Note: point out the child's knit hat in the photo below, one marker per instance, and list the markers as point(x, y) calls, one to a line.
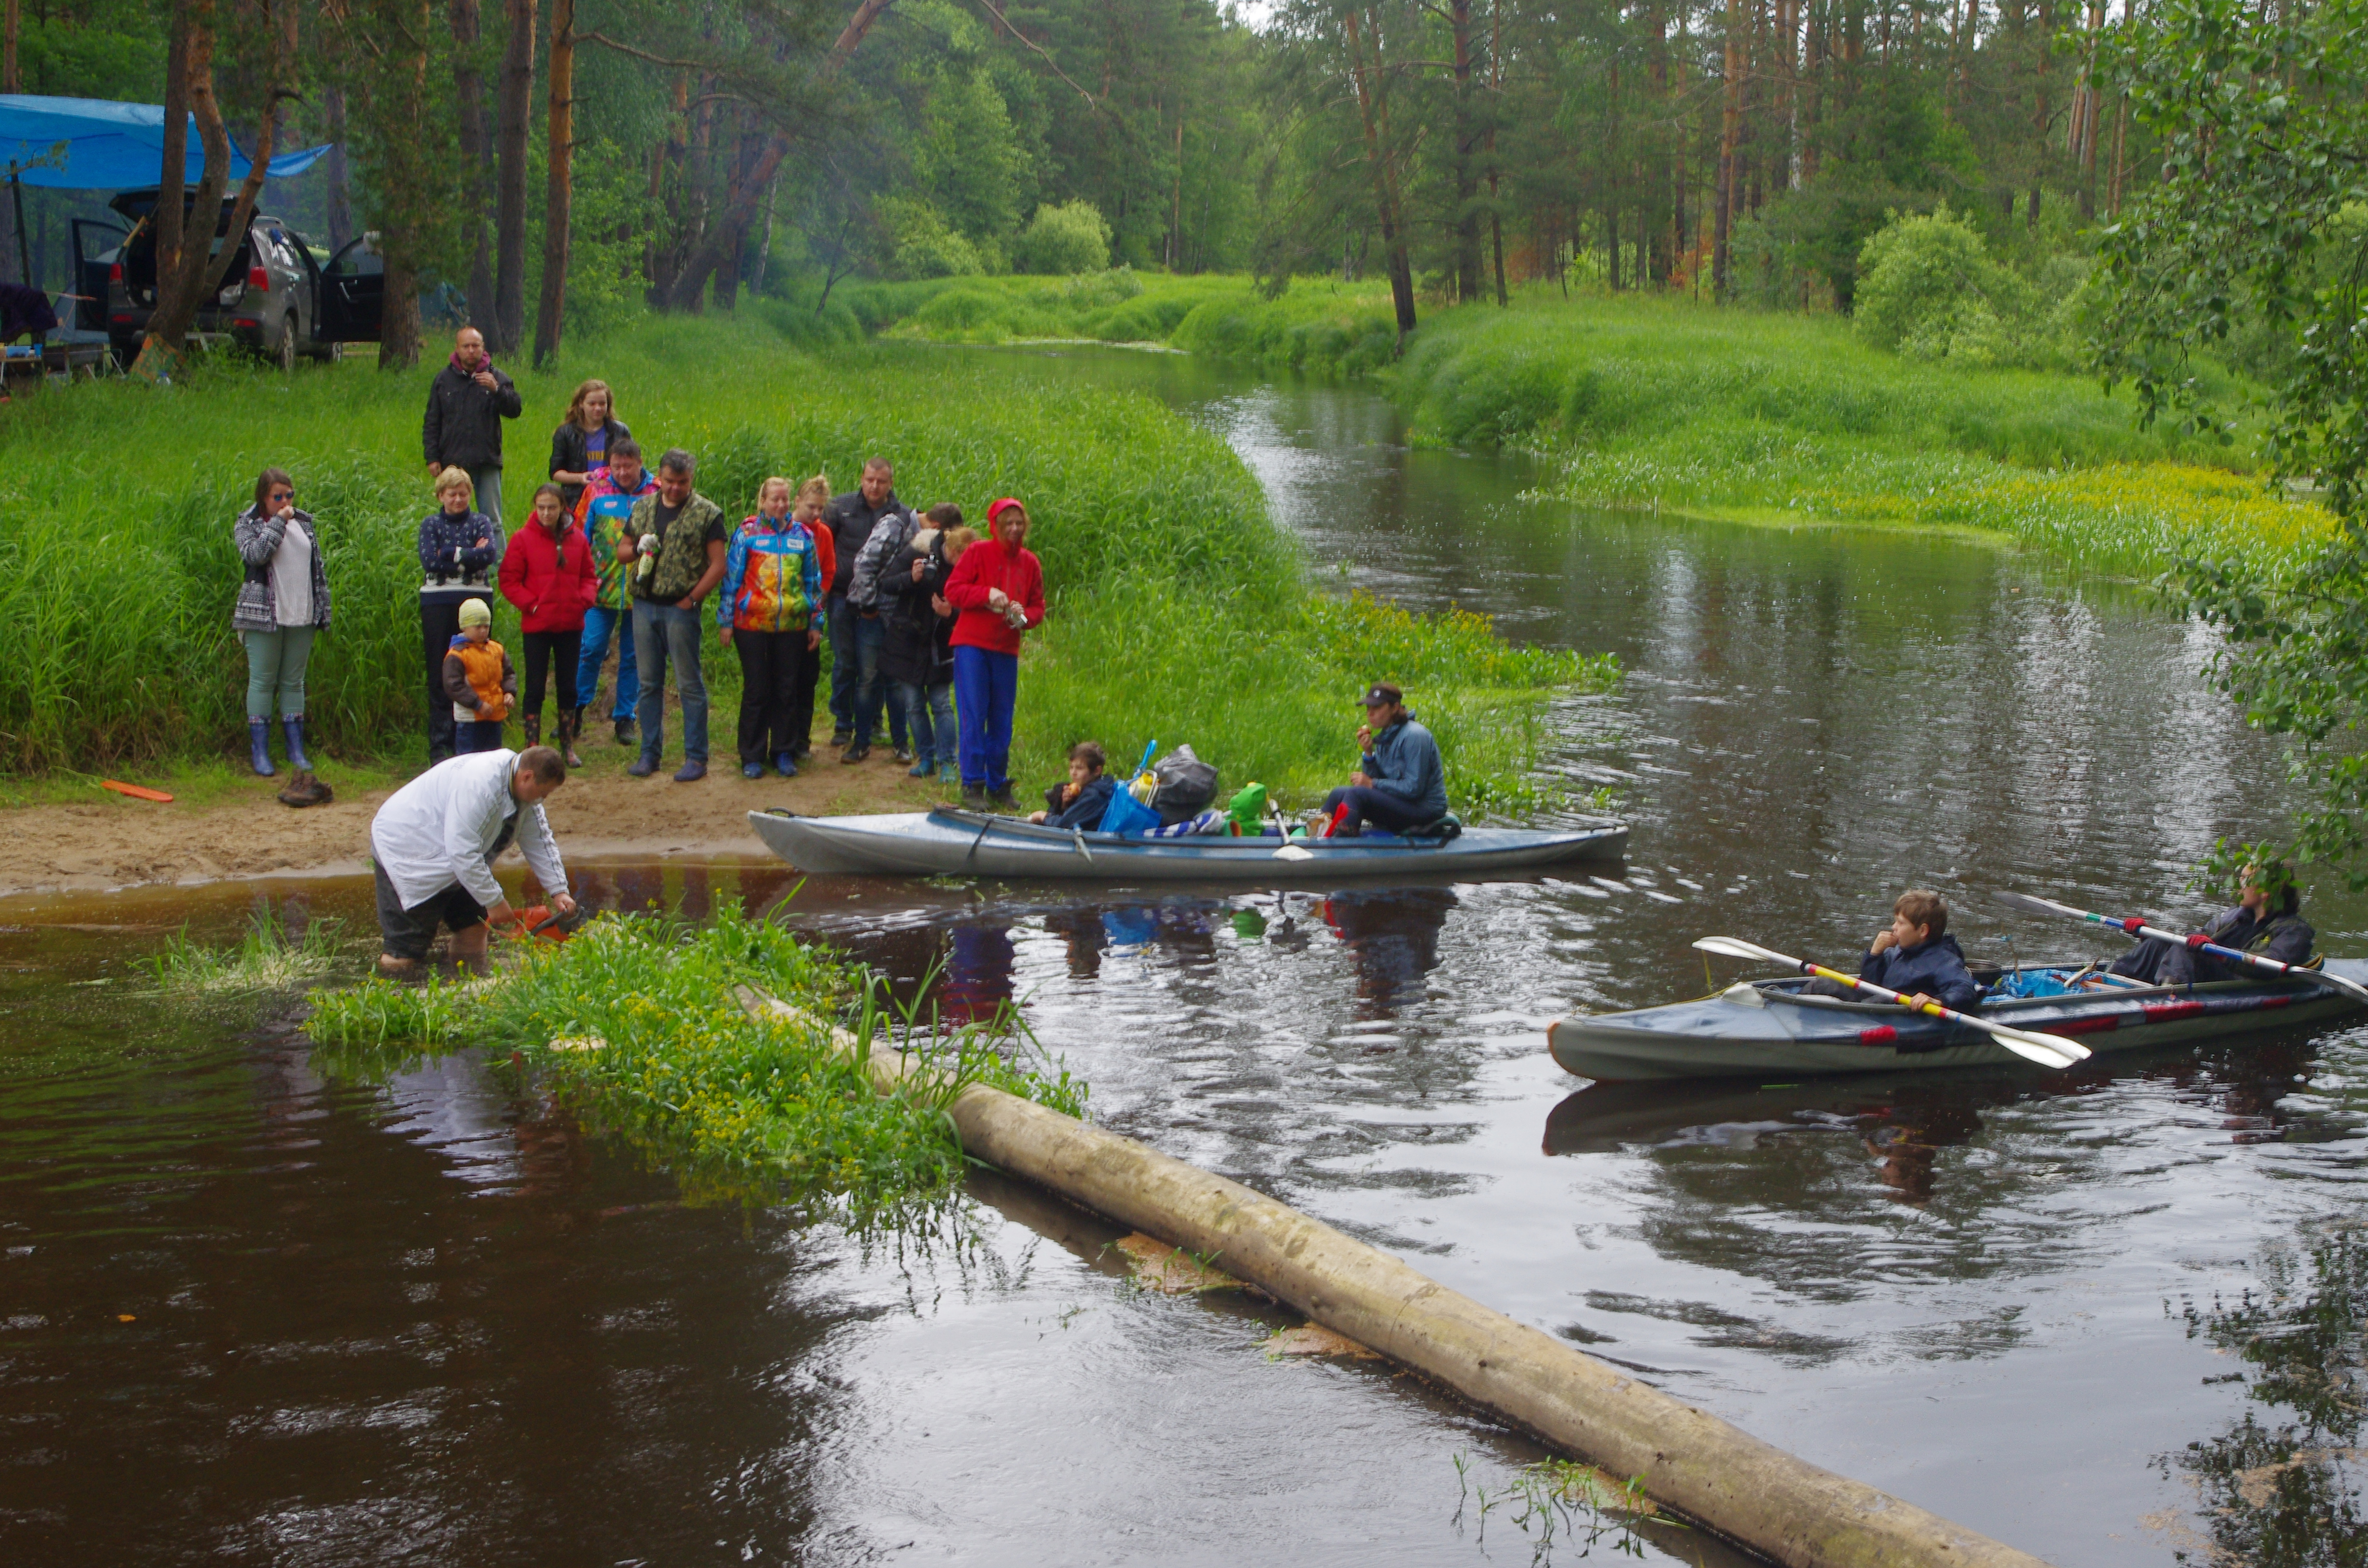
point(474, 612)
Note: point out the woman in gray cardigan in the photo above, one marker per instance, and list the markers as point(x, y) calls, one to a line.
point(283, 601)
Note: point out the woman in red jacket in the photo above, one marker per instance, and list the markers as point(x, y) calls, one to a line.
point(547, 571)
point(998, 590)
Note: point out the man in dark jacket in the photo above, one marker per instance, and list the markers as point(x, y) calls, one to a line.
point(1917, 958)
point(2266, 920)
point(1400, 783)
point(855, 695)
point(466, 404)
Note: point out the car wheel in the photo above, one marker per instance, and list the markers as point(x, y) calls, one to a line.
point(286, 356)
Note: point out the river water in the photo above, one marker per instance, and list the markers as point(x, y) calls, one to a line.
point(252, 1309)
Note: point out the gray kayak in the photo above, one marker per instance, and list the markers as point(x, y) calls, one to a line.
point(947, 842)
point(1772, 1026)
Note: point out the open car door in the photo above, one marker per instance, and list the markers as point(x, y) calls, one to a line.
point(96, 243)
point(353, 293)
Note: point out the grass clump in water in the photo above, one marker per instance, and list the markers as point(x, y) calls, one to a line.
point(268, 957)
point(638, 1021)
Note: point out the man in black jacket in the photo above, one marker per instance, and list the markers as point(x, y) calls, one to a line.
point(466, 404)
point(857, 695)
point(2266, 920)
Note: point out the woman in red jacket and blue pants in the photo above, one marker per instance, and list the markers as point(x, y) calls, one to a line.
point(998, 589)
point(548, 573)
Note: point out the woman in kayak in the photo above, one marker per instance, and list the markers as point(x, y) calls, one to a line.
point(1917, 957)
point(2266, 920)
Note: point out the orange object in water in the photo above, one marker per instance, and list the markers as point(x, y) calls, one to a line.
point(137, 792)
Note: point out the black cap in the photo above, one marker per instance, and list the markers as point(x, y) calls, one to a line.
point(1382, 694)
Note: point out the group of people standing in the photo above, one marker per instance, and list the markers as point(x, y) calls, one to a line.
point(924, 615)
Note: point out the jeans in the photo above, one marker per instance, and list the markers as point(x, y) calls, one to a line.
point(771, 663)
point(1392, 814)
point(801, 704)
point(668, 633)
point(928, 718)
point(549, 654)
point(857, 697)
point(599, 626)
point(488, 481)
point(275, 662)
point(477, 734)
point(987, 690)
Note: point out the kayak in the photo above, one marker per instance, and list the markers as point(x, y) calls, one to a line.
point(948, 842)
point(1768, 1025)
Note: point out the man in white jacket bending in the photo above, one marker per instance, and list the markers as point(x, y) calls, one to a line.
point(432, 847)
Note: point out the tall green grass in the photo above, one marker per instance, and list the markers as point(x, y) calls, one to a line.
point(1665, 405)
point(637, 1021)
point(1165, 571)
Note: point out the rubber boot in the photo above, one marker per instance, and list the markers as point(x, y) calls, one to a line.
point(532, 724)
point(571, 720)
point(294, 730)
point(258, 752)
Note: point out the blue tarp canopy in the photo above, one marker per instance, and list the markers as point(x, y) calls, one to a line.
point(110, 146)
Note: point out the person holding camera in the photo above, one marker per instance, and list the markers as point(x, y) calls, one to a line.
point(997, 592)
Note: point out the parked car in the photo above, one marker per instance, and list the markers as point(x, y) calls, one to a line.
point(282, 296)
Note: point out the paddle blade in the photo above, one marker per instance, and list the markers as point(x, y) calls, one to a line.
point(2048, 1049)
point(1727, 947)
point(2030, 905)
point(1294, 852)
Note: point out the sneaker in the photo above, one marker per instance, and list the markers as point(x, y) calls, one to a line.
point(624, 732)
point(1001, 799)
point(691, 772)
point(921, 770)
point(903, 754)
point(752, 770)
point(840, 737)
point(643, 766)
point(974, 798)
point(786, 765)
point(855, 753)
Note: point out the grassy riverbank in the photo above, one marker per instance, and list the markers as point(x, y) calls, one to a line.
point(1669, 405)
point(1180, 610)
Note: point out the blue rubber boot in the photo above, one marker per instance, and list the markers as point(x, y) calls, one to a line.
point(294, 730)
point(259, 753)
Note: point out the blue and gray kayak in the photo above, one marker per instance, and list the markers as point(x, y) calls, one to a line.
point(947, 842)
point(1769, 1025)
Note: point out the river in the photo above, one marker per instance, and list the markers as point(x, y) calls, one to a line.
point(252, 1311)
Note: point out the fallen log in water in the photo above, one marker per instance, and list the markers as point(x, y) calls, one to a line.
point(1691, 1462)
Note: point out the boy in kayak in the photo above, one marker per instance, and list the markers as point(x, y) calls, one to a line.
point(1080, 803)
point(1917, 957)
point(2267, 921)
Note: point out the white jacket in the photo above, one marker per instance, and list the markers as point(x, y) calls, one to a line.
point(437, 830)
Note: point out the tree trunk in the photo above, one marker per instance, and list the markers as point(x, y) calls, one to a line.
point(692, 279)
point(1467, 140)
point(1730, 126)
point(9, 80)
point(516, 107)
point(180, 291)
point(339, 178)
point(173, 174)
point(559, 188)
point(403, 194)
point(1385, 197)
point(476, 154)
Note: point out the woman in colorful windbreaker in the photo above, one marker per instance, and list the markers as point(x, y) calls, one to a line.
point(769, 613)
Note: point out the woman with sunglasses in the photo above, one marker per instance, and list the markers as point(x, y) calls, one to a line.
point(283, 603)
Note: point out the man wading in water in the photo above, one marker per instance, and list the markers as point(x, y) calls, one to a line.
point(432, 847)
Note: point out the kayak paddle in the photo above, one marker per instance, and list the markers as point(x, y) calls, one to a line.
point(2137, 927)
point(2048, 1049)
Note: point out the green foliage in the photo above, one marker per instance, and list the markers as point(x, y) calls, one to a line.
point(648, 1026)
point(1071, 238)
point(2259, 219)
point(968, 162)
point(1318, 324)
point(1928, 288)
point(920, 244)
